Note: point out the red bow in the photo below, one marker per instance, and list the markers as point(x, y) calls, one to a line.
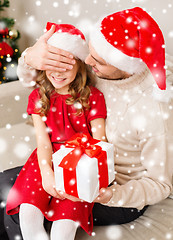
point(82, 143)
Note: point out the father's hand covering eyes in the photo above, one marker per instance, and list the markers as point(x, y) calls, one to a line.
point(43, 56)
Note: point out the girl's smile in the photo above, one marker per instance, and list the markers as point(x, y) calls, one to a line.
point(61, 81)
point(58, 79)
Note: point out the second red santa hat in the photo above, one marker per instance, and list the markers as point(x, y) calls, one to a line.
point(128, 40)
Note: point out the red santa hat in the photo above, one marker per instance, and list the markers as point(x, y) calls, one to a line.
point(130, 40)
point(68, 38)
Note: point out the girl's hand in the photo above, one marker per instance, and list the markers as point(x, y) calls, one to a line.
point(104, 196)
point(48, 182)
point(74, 199)
point(43, 56)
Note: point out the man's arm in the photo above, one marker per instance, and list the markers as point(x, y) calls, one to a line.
point(153, 181)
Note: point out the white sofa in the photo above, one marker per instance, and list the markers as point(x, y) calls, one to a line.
point(17, 141)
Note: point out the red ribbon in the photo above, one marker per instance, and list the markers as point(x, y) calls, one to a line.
point(83, 143)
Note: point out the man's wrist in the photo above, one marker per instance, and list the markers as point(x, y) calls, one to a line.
point(23, 59)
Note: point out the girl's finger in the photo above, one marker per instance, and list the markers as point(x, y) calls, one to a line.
point(52, 192)
point(57, 194)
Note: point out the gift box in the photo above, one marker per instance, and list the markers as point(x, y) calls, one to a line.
point(83, 166)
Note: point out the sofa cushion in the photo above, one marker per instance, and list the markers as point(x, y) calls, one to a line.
point(16, 144)
point(13, 103)
point(155, 224)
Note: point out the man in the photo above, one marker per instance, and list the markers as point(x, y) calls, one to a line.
point(127, 54)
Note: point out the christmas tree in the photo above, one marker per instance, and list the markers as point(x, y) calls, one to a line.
point(9, 51)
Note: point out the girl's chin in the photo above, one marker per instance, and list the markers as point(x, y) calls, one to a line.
point(61, 88)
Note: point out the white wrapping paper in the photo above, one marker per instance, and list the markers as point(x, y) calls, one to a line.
point(87, 175)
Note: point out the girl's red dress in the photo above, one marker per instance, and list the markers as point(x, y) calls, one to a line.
point(62, 124)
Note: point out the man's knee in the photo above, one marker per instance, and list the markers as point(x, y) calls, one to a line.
point(11, 219)
point(8, 223)
point(12, 227)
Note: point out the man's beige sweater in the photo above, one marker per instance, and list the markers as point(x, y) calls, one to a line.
point(141, 130)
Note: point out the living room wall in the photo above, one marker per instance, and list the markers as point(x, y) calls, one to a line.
point(31, 16)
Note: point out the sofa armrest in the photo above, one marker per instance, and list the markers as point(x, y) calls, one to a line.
point(13, 103)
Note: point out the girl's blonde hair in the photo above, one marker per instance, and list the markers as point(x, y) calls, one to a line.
point(78, 89)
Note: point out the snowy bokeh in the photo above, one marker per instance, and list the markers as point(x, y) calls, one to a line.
point(78, 105)
point(75, 10)
point(30, 26)
point(169, 236)
point(3, 145)
point(31, 16)
point(72, 181)
point(85, 25)
point(27, 139)
point(2, 25)
point(17, 97)
point(113, 233)
point(21, 150)
point(170, 34)
point(139, 122)
point(55, 4)
point(2, 204)
point(38, 3)
point(8, 59)
point(17, 237)
point(24, 115)
point(8, 126)
point(10, 72)
point(140, 1)
point(50, 213)
point(66, 2)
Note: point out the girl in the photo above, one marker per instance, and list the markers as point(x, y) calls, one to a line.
point(63, 104)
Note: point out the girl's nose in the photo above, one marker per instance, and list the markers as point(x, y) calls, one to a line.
point(57, 74)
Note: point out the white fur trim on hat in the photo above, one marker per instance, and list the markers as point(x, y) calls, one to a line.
point(71, 43)
point(112, 55)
